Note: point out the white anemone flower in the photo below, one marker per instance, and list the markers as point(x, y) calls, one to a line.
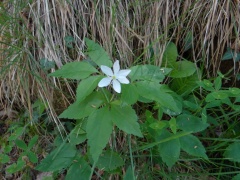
point(114, 77)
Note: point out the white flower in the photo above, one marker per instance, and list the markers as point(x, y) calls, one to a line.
point(114, 77)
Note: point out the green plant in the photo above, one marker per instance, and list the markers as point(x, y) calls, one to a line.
point(100, 112)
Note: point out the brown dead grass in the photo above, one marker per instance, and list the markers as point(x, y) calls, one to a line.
point(126, 29)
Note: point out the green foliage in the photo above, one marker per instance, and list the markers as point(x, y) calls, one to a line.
point(79, 169)
point(75, 70)
point(125, 119)
point(147, 72)
point(192, 123)
point(99, 129)
point(58, 159)
point(232, 152)
point(175, 116)
point(109, 161)
point(170, 55)
point(193, 146)
point(97, 53)
point(230, 54)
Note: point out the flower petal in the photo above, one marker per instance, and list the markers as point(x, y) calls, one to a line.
point(105, 82)
point(106, 70)
point(116, 86)
point(124, 72)
point(123, 80)
point(116, 67)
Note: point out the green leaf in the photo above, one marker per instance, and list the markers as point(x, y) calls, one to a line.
point(86, 87)
point(153, 91)
point(129, 174)
point(21, 144)
point(206, 84)
point(109, 161)
point(185, 86)
point(188, 41)
point(75, 70)
point(32, 142)
point(97, 53)
point(170, 55)
point(237, 177)
point(129, 94)
point(158, 125)
point(146, 72)
point(99, 128)
point(193, 146)
point(173, 125)
point(216, 95)
point(230, 54)
point(125, 119)
point(192, 123)
point(17, 132)
point(169, 151)
point(84, 108)
point(4, 158)
point(80, 169)
point(32, 157)
point(77, 135)
point(218, 83)
point(232, 152)
point(69, 40)
point(15, 167)
point(46, 64)
point(58, 159)
point(183, 69)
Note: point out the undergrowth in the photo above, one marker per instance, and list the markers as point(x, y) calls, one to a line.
point(176, 116)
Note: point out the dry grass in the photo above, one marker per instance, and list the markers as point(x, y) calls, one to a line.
point(129, 30)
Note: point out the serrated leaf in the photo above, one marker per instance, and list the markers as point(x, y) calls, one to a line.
point(170, 55)
point(58, 159)
point(146, 72)
point(193, 146)
point(80, 169)
point(185, 86)
point(183, 69)
point(232, 152)
point(169, 151)
point(153, 91)
point(129, 94)
point(125, 119)
point(97, 53)
point(86, 87)
point(84, 108)
point(192, 123)
point(75, 70)
point(109, 161)
point(32, 142)
point(77, 135)
point(21, 144)
point(99, 128)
